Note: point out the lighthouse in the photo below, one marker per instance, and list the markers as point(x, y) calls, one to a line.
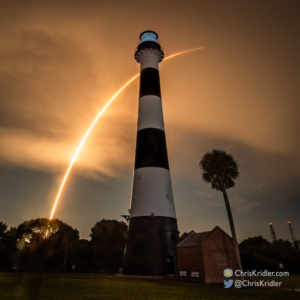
point(152, 232)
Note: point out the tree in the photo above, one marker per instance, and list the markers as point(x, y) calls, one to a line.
point(80, 256)
point(259, 254)
point(252, 242)
point(3, 235)
point(220, 169)
point(8, 247)
point(108, 238)
point(62, 238)
point(44, 244)
point(3, 231)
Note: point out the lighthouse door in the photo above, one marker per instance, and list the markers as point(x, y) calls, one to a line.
point(170, 264)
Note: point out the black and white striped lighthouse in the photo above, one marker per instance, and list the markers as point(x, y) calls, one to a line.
point(153, 233)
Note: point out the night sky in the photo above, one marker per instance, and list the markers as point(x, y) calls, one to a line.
point(61, 61)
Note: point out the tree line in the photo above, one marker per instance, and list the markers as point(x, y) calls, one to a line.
point(40, 245)
point(259, 254)
point(53, 246)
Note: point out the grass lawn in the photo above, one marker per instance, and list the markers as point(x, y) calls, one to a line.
point(23, 286)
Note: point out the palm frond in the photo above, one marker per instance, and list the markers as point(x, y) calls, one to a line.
point(218, 165)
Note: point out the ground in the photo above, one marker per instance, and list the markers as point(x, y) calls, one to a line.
point(96, 286)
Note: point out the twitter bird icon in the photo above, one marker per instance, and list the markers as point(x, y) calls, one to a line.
point(228, 284)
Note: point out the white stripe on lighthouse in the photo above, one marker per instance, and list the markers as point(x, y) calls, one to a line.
point(152, 193)
point(150, 113)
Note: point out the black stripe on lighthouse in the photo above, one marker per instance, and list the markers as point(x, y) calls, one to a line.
point(151, 149)
point(149, 82)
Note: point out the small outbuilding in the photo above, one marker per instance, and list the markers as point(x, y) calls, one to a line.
point(204, 256)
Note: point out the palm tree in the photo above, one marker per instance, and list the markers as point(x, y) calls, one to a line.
point(220, 169)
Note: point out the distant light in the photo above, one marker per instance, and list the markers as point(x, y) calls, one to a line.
point(270, 223)
point(289, 222)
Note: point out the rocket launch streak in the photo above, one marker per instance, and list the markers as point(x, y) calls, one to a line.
point(93, 124)
point(83, 140)
point(183, 52)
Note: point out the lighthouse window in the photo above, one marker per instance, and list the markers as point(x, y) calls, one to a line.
point(148, 36)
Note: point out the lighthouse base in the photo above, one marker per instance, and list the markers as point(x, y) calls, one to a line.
point(151, 246)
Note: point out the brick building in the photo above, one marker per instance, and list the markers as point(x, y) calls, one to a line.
point(204, 256)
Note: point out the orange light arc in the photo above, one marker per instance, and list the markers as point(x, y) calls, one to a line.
point(93, 124)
